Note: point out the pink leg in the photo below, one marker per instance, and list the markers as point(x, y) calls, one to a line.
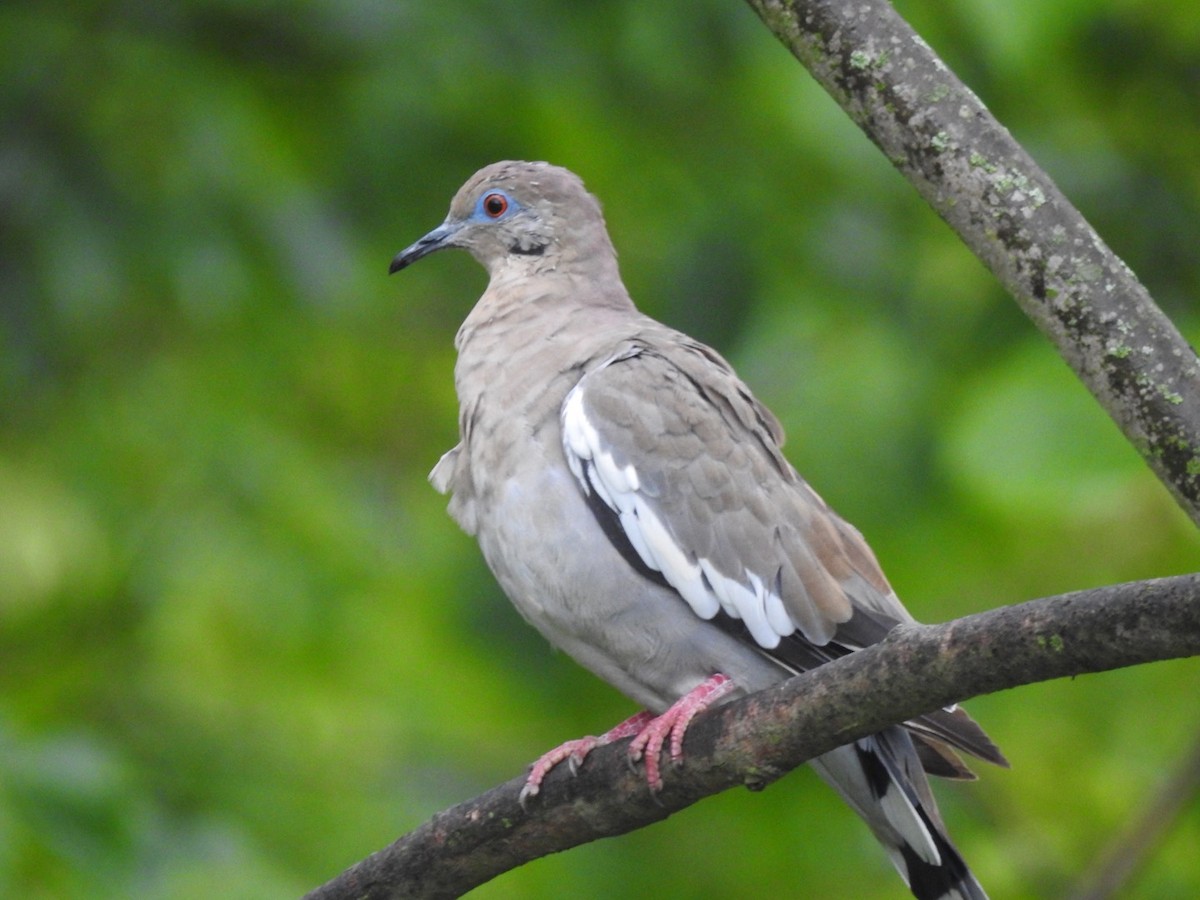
point(673, 724)
point(574, 752)
point(651, 734)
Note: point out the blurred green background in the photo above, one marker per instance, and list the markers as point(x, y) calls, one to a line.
point(242, 645)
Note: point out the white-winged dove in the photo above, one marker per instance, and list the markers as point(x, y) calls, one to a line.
point(630, 496)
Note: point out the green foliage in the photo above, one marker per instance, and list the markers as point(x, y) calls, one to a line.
point(241, 645)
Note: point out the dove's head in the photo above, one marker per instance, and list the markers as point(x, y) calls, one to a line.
point(523, 216)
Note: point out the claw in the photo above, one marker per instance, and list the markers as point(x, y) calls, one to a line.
point(672, 725)
point(650, 734)
point(575, 752)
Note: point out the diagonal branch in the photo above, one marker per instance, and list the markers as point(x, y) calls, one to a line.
point(755, 740)
point(1110, 875)
point(1012, 216)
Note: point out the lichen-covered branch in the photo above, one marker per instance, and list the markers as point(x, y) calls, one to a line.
point(1012, 216)
point(755, 740)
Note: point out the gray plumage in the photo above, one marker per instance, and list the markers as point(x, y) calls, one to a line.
point(631, 497)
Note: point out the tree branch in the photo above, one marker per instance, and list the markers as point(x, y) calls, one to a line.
point(1111, 873)
point(1008, 211)
point(757, 739)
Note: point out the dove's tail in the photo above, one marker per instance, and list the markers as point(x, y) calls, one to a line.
point(882, 778)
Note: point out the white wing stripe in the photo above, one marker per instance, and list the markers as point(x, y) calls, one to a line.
point(742, 603)
point(777, 617)
point(579, 437)
point(698, 581)
point(629, 523)
point(669, 558)
point(600, 486)
point(619, 479)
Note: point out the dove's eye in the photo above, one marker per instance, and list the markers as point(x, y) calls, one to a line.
point(495, 205)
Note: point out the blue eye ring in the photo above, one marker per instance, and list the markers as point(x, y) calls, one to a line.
point(494, 204)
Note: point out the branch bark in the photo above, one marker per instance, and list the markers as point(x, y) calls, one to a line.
point(759, 738)
point(1007, 210)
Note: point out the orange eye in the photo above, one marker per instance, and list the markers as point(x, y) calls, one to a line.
point(495, 205)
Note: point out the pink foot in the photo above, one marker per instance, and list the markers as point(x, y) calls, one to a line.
point(651, 734)
point(576, 751)
point(673, 724)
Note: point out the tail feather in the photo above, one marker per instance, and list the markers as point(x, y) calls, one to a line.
point(882, 779)
point(953, 727)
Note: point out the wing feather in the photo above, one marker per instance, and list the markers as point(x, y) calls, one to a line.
point(689, 464)
point(677, 447)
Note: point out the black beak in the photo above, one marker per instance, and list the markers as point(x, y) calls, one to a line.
point(438, 239)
